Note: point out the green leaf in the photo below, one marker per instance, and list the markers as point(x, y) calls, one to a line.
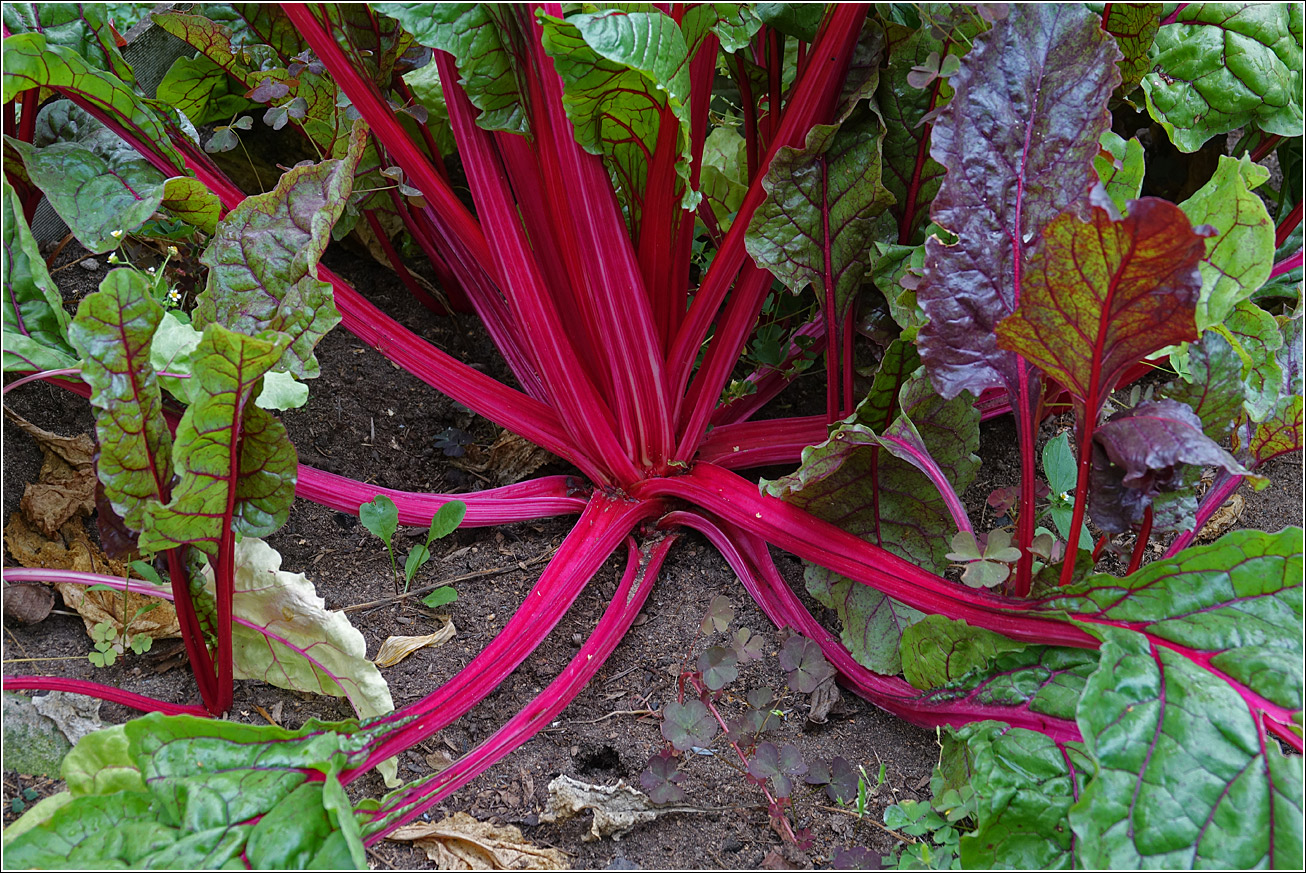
point(263, 262)
point(816, 223)
point(30, 62)
point(1024, 785)
point(1047, 680)
point(620, 71)
point(446, 520)
point(82, 28)
point(191, 201)
point(1281, 431)
point(1120, 169)
point(1059, 464)
point(937, 650)
point(35, 323)
point(1255, 336)
point(1134, 26)
point(202, 91)
point(480, 36)
point(1238, 260)
point(1100, 295)
point(723, 179)
point(112, 332)
point(223, 424)
point(441, 596)
point(417, 559)
point(799, 20)
point(1220, 66)
point(1212, 385)
point(1185, 776)
point(380, 517)
point(211, 792)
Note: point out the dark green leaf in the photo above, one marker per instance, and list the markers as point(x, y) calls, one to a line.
point(35, 324)
point(380, 517)
point(442, 596)
point(937, 650)
point(1120, 169)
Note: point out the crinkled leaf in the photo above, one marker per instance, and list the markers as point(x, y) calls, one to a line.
point(97, 183)
point(723, 179)
point(1220, 66)
point(1185, 776)
point(191, 201)
point(804, 664)
point(1134, 26)
point(30, 62)
point(1232, 609)
point(816, 223)
point(35, 323)
point(480, 37)
point(798, 20)
point(113, 332)
point(1238, 260)
point(858, 478)
point(1042, 77)
point(1212, 385)
point(719, 667)
point(1045, 680)
point(1101, 295)
point(227, 371)
point(1024, 785)
point(620, 71)
point(80, 27)
point(1281, 431)
point(263, 262)
point(1139, 454)
point(1120, 168)
point(687, 724)
point(1256, 337)
point(212, 792)
point(203, 91)
point(937, 650)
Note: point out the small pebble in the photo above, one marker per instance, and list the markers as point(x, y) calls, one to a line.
point(90, 265)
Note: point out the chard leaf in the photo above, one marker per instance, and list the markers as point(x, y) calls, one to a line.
point(191, 201)
point(1212, 385)
point(1282, 431)
point(1045, 680)
point(1220, 66)
point(201, 90)
point(31, 62)
point(288, 638)
point(1134, 26)
point(723, 179)
point(223, 423)
point(1185, 775)
point(1238, 260)
point(80, 27)
point(207, 793)
point(263, 262)
point(1041, 76)
point(884, 499)
point(799, 20)
point(1024, 784)
point(1255, 336)
point(937, 650)
point(1102, 295)
point(816, 224)
point(112, 332)
point(620, 71)
point(99, 185)
point(1140, 453)
point(1120, 169)
point(35, 323)
point(480, 37)
point(880, 407)
point(252, 25)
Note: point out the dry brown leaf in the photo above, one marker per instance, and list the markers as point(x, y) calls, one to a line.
point(510, 459)
point(395, 649)
point(65, 487)
point(1224, 518)
point(617, 808)
point(72, 549)
point(461, 842)
point(28, 603)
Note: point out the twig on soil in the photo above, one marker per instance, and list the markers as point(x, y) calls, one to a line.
point(62, 658)
point(17, 642)
point(615, 712)
point(854, 814)
point(71, 263)
point(479, 574)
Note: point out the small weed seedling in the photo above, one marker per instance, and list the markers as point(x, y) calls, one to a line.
point(381, 517)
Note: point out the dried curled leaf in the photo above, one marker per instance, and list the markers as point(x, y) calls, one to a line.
point(395, 649)
point(461, 842)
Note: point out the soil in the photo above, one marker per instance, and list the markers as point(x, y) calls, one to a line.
point(371, 421)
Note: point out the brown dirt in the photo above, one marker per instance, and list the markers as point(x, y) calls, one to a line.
point(369, 420)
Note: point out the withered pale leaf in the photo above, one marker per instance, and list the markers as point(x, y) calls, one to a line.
point(461, 842)
point(395, 649)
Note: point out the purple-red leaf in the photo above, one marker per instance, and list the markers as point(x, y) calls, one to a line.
point(1018, 141)
point(1101, 295)
point(1140, 453)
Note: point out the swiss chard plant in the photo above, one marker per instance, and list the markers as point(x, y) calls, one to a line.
point(958, 199)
